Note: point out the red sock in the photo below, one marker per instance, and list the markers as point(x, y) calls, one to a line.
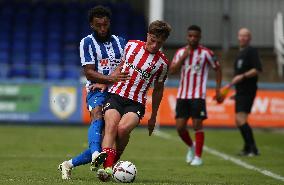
point(184, 135)
point(199, 141)
point(111, 153)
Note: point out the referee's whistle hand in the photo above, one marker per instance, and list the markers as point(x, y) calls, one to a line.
point(220, 99)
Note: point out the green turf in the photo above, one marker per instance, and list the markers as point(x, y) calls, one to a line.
point(30, 155)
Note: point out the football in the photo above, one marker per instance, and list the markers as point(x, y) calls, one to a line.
point(124, 172)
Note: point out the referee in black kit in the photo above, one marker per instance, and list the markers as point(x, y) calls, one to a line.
point(246, 68)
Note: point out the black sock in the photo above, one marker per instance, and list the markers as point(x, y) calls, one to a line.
point(250, 139)
point(243, 130)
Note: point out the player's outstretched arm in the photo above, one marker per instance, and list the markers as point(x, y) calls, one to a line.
point(156, 100)
point(97, 77)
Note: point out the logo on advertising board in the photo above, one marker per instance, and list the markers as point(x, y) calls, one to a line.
point(63, 101)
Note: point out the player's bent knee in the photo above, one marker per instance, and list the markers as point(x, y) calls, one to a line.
point(122, 130)
point(181, 124)
point(180, 128)
point(197, 125)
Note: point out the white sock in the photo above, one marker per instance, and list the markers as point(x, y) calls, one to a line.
point(197, 157)
point(69, 163)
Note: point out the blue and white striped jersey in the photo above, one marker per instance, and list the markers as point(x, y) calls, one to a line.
point(105, 56)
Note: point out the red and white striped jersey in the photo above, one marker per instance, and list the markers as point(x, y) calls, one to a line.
point(144, 69)
point(194, 72)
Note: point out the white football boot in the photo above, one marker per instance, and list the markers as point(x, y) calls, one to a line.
point(98, 160)
point(65, 170)
point(197, 161)
point(190, 154)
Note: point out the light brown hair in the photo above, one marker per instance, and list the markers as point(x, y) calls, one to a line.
point(160, 29)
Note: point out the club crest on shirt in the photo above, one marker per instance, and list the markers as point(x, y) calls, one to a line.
point(240, 63)
point(198, 58)
point(197, 68)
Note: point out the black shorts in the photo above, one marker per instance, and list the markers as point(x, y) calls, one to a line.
point(243, 103)
point(194, 108)
point(124, 105)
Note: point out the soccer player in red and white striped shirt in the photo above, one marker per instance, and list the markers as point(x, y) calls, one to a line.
point(126, 105)
point(194, 61)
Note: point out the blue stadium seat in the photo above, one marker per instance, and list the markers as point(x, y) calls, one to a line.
point(4, 45)
point(19, 58)
point(122, 31)
point(122, 18)
point(4, 71)
point(71, 59)
point(6, 25)
point(53, 72)
point(122, 6)
point(5, 35)
point(54, 34)
point(39, 11)
point(18, 71)
point(20, 44)
point(71, 72)
point(36, 71)
point(23, 6)
point(37, 45)
point(72, 15)
point(69, 26)
point(53, 58)
point(43, 33)
point(53, 45)
point(7, 10)
point(4, 57)
point(20, 35)
point(37, 34)
point(71, 37)
point(37, 27)
point(36, 58)
point(73, 5)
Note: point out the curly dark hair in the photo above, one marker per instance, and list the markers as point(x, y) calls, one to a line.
point(99, 12)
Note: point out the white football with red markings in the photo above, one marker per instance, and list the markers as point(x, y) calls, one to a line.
point(124, 172)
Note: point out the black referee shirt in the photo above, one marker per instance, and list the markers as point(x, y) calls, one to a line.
point(246, 60)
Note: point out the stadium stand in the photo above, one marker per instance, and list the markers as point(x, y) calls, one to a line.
point(40, 40)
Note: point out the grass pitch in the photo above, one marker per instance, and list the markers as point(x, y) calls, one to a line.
point(30, 155)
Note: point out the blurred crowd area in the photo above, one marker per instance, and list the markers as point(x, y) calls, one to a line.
point(40, 39)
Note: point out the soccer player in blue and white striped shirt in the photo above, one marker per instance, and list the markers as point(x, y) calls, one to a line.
point(100, 55)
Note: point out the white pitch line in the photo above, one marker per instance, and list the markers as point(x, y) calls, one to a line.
point(226, 157)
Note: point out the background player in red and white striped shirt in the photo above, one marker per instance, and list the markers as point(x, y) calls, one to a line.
point(194, 61)
point(126, 105)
